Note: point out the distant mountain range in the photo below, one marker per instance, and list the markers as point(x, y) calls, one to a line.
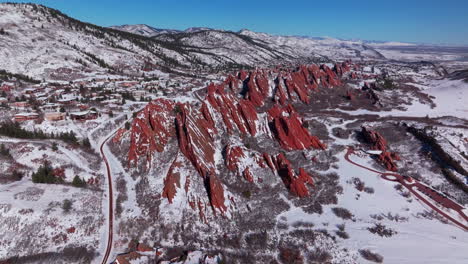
point(45, 43)
point(149, 31)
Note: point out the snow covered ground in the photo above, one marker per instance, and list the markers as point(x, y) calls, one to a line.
point(450, 97)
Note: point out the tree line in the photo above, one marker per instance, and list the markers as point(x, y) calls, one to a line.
point(14, 130)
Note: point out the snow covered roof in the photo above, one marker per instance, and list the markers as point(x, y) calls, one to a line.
point(26, 114)
point(82, 113)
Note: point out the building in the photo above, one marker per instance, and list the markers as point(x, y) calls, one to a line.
point(54, 116)
point(50, 107)
point(84, 115)
point(139, 93)
point(22, 104)
point(21, 117)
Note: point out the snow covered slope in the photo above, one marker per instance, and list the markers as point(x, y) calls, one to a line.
point(144, 30)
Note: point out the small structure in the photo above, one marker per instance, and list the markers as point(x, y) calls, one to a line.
point(84, 115)
point(50, 107)
point(21, 117)
point(68, 101)
point(54, 116)
point(139, 93)
point(22, 104)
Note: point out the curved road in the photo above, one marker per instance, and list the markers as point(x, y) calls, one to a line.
point(111, 203)
point(410, 184)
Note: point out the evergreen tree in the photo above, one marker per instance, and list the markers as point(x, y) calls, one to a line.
point(45, 174)
point(4, 151)
point(78, 182)
point(86, 143)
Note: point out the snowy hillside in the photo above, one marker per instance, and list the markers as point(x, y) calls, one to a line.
point(134, 144)
point(144, 30)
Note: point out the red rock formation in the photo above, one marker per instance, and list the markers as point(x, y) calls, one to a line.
point(233, 155)
point(341, 68)
point(254, 93)
point(280, 94)
point(378, 142)
point(234, 112)
point(172, 182)
point(330, 77)
point(232, 83)
point(118, 136)
point(269, 161)
point(295, 183)
point(151, 129)
point(375, 139)
point(216, 192)
point(224, 110)
point(195, 139)
point(290, 131)
point(144, 248)
point(248, 175)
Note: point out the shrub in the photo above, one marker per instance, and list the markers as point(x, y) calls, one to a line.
point(342, 213)
point(342, 234)
point(290, 256)
point(247, 194)
point(17, 175)
point(319, 256)
point(67, 205)
point(381, 230)
point(371, 256)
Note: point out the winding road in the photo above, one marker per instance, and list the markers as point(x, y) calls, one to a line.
point(110, 234)
point(416, 188)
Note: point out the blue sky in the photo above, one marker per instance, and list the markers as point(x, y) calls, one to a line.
point(427, 21)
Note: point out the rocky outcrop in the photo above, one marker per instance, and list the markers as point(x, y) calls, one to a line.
point(378, 142)
point(235, 112)
point(296, 183)
point(195, 139)
point(216, 193)
point(172, 181)
point(118, 135)
point(242, 161)
point(239, 107)
point(151, 129)
point(289, 130)
point(197, 144)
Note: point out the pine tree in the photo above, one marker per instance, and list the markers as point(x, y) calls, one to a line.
point(86, 143)
point(4, 151)
point(78, 182)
